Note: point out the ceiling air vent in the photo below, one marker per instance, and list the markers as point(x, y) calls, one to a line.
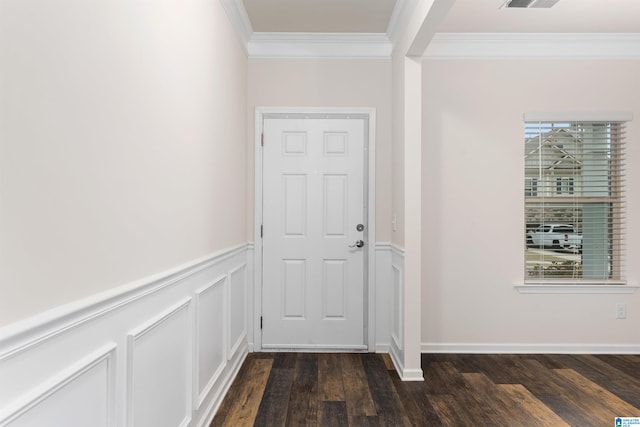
point(530, 4)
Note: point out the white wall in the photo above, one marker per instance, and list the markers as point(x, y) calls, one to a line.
point(124, 263)
point(328, 83)
point(122, 144)
point(473, 205)
point(397, 155)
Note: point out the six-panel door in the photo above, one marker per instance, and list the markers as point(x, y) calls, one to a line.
point(313, 201)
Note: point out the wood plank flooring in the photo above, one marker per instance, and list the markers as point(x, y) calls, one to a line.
point(306, 389)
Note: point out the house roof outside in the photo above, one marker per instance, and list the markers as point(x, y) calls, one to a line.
point(552, 151)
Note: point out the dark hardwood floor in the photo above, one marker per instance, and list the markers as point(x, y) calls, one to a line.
point(305, 389)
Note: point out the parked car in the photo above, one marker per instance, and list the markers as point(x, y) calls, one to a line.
point(557, 236)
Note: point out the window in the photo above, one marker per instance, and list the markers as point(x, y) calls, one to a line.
point(574, 208)
point(530, 186)
point(564, 185)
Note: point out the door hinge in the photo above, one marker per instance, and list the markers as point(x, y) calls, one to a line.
point(260, 322)
point(261, 231)
point(262, 139)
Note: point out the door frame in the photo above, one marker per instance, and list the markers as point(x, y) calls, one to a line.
point(368, 114)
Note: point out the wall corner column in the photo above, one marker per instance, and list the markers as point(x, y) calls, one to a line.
point(412, 218)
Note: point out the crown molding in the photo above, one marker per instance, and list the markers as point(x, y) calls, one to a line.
point(534, 46)
point(319, 45)
point(397, 20)
point(239, 19)
point(311, 45)
point(442, 46)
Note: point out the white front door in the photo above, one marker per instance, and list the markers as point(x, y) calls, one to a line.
point(313, 203)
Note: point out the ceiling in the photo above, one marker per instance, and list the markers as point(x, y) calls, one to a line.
point(567, 16)
point(320, 16)
point(581, 29)
point(466, 16)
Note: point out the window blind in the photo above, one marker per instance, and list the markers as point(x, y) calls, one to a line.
point(574, 200)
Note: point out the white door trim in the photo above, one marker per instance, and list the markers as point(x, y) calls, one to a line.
point(370, 166)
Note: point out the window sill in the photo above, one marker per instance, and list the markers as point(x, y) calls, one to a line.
point(576, 288)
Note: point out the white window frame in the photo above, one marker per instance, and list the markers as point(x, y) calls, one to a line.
point(562, 286)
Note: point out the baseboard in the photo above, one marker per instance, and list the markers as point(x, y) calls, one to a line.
point(397, 357)
point(412, 375)
point(405, 374)
point(529, 348)
point(382, 348)
point(319, 348)
point(100, 361)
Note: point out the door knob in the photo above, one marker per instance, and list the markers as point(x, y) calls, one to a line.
point(358, 244)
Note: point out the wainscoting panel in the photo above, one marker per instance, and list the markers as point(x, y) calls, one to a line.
point(159, 375)
point(159, 351)
point(397, 323)
point(383, 298)
point(237, 300)
point(89, 381)
point(211, 331)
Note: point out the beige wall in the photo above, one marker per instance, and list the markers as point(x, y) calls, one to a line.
point(122, 144)
point(473, 203)
point(327, 83)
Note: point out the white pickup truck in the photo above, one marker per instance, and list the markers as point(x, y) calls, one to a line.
point(558, 236)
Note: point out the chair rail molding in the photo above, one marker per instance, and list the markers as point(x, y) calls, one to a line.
point(98, 361)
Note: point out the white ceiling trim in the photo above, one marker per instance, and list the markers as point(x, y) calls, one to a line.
point(239, 19)
point(319, 45)
point(310, 45)
point(397, 20)
point(534, 46)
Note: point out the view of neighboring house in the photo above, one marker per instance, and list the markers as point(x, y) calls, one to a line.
point(552, 170)
point(551, 165)
point(572, 177)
